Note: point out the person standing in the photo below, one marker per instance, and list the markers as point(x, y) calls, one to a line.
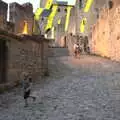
point(27, 87)
point(75, 47)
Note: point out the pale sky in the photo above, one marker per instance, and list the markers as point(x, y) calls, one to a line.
point(36, 2)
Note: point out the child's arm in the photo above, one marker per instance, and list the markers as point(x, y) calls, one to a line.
point(30, 87)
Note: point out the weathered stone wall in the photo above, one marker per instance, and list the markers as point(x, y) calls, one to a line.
point(25, 54)
point(19, 14)
point(60, 28)
point(72, 22)
point(70, 42)
point(106, 34)
point(3, 14)
point(10, 27)
point(22, 58)
point(77, 14)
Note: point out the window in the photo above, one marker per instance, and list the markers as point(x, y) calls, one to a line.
point(97, 15)
point(65, 9)
point(110, 4)
point(97, 12)
point(71, 34)
point(84, 22)
point(58, 9)
point(42, 19)
point(80, 4)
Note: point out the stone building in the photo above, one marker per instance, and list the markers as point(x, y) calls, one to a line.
point(59, 22)
point(60, 28)
point(3, 14)
point(78, 13)
point(20, 54)
point(21, 16)
point(78, 17)
point(82, 22)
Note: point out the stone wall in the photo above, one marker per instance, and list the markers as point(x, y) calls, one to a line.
point(60, 28)
point(3, 14)
point(106, 33)
point(72, 22)
point(70, 42)
point(10, 27)
point(26, 54)
point(19, 14)
point(77, 15)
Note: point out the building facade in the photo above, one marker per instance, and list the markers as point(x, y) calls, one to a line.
point(82, 20)
point(3, 14)
point(106, 42)
point(22, 15)
point(59, 22)
point(22, 54)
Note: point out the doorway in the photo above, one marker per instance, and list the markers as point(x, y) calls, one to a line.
point(3, 60)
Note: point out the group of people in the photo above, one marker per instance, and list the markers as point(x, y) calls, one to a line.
point(77, 49)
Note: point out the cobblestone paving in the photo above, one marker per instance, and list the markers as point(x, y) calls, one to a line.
point(85, 89)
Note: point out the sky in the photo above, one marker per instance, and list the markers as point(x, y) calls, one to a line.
point(36, 2)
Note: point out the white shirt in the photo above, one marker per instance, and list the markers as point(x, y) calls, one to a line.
point(75, 46)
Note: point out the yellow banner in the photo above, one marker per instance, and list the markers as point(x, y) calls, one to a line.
point(67, 17)
point(48, 4)
point(51, 17)
point(38, 13)
point(82, 25)
point(88, 5)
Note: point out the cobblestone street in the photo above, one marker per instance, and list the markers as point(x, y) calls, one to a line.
point(85, 89)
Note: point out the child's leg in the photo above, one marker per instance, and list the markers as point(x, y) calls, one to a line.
point(26, 103)
point(33, 97)
point(26, 95)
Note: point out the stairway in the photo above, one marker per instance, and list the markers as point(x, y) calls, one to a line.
point(58, 52)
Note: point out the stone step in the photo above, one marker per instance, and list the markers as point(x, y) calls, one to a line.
point(59, 51)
